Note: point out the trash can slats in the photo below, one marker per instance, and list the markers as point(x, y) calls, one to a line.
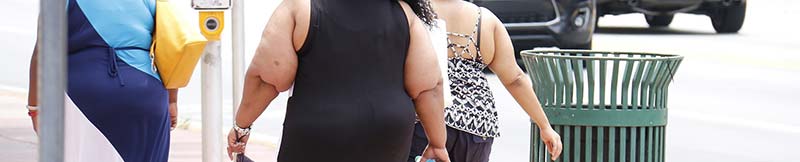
point(614, 75)
point(591, 78)
point(577, 145)
point(568, 139)
point(578, 77)
point(626, 84)
point(600, 143)
point(608, 106)
point(637, 82)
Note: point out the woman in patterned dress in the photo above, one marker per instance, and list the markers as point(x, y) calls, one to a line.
point(477, 40)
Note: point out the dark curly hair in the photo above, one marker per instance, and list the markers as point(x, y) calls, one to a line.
point(423, 9)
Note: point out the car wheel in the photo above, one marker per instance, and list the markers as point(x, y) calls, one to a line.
point(587, 46)
point(596, 22)
point(659, 20)
point(729, 19)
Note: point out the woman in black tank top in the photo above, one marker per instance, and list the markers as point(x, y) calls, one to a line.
point(361, 71)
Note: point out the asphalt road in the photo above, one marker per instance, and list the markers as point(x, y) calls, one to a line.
point(734, 98)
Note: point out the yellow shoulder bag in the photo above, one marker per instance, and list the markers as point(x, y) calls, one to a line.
point(177, 45)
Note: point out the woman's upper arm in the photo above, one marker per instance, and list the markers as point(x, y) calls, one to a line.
point(421, 67)
point(275, 60)
point(504, 64)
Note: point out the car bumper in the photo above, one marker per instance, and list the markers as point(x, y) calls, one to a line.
point(564, 31)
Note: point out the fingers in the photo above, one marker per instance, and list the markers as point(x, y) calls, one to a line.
point(174, 122)
point(230, 153)
point(236, 147)
point(233, 146)
point(423, 159)
point(549, 145)
point(444, 156)
point(444, 159)
point(173, 115)
point(554, 148)
point(435, 155)
point(230, 145)
point(434, 159)
point(560, 147)
point(244, 140)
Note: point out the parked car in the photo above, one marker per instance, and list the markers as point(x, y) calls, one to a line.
point(566, 24)
point(727, 16)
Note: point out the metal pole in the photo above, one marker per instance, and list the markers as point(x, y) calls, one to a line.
point(212, 102)
point(52, 78)
point(238, 53)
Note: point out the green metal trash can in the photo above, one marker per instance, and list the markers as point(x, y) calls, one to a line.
point(607, 106)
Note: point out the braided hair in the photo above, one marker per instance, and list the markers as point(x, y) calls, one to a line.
point(423, 9)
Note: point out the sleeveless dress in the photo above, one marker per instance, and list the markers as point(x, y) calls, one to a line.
point(471, 118)
point(117, 107)
point(349, 101)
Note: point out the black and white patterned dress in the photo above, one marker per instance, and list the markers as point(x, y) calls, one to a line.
point(473, 109)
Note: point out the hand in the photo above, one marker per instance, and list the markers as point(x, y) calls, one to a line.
point(553, 142)
point(236, 147)
point(173, 115)
point(35, 122)
point(437, 154)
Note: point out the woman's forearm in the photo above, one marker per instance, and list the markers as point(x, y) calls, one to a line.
point(256, 96)
point(33, 78)
point(522, 92)
point(173, 95)
point(430, 109)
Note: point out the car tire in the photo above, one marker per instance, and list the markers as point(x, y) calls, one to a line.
point(659, 21)
point(587, 46)
point(596, 22)
point(729, 19)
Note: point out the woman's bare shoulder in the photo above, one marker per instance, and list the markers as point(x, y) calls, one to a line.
point(488, 19)
point(410, 15)
point(488, 16)
point(296, 6)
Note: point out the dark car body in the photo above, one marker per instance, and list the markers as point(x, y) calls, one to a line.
point(727, 15)
point(567, 24)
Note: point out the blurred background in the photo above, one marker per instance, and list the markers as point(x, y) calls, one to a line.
point(734, 98)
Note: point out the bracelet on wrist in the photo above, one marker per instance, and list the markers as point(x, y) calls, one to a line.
point(241, 132)
point(33, 111)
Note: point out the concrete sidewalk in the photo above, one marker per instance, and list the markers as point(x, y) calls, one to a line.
point(18, 142)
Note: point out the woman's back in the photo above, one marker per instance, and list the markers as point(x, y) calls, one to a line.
point(462, 18)
point(471, 50)
point(350, 45)
point(349, 97)
point(118, 24)
point(478, 40)
point(113, 84)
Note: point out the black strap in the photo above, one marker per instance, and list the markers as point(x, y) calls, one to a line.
point(478, 42)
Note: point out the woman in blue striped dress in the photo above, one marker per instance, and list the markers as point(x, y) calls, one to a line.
point(117, 107)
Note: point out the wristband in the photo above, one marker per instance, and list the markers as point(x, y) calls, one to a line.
point(33, 111)
point(241, 132)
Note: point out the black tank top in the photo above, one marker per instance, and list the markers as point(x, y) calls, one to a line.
point(349, 100)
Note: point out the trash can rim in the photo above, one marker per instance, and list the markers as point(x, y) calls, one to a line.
point(539, 54)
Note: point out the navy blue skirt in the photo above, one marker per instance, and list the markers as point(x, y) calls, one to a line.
point(129, 106)
point(461, 146)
